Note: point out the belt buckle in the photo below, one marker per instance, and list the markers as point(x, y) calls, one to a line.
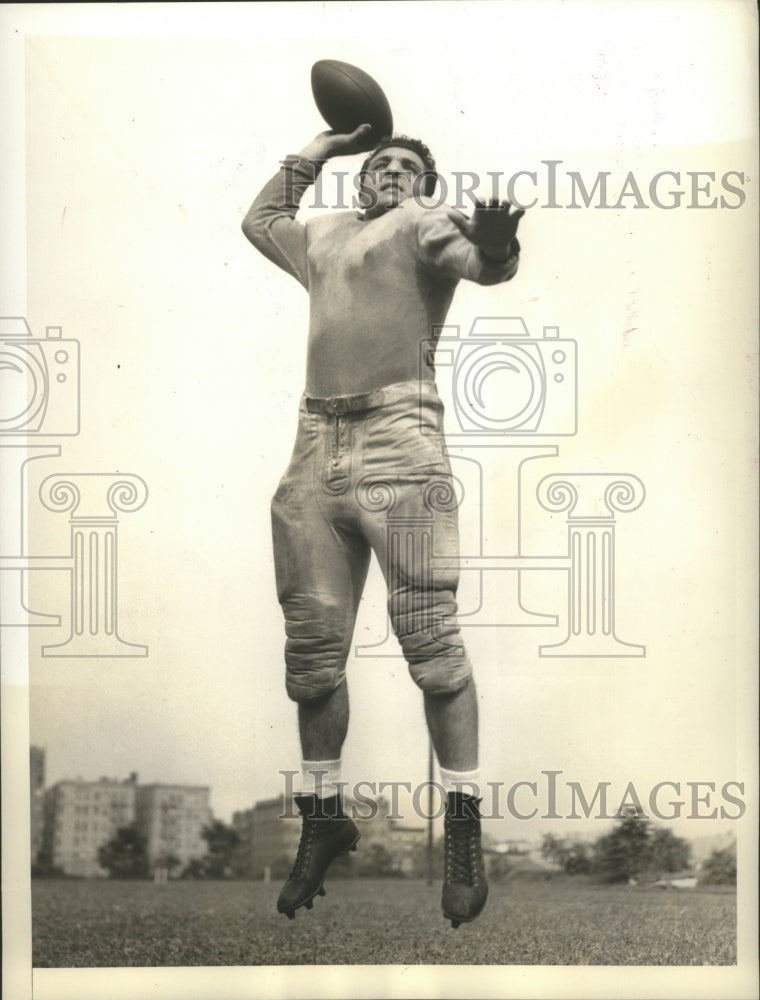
point(339, 406)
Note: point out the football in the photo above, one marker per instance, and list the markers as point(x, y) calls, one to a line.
point(347, 97)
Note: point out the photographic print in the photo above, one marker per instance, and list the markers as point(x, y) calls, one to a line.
point(379, 491)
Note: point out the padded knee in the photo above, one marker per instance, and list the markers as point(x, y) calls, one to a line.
point(305, 685)
point(425, 624)
point(315, 654)
point(442, 675)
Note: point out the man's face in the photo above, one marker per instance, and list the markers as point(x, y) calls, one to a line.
point(390, 178)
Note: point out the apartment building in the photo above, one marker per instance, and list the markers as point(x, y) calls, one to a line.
point(80, 816)
point(268, 841)
point(171, 818)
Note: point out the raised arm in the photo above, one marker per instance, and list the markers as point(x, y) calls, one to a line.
point(484, 249)
point(270, 223)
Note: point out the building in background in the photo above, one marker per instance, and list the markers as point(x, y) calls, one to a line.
point(80, 816)
point(269, 836)
point(172, 818)
point(406, 846)
point(268, 843)
point(37, 798)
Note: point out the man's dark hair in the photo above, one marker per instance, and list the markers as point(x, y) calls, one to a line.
point(416, 146)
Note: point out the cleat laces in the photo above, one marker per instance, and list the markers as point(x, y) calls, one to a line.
point(462, 855)
point(303, 855)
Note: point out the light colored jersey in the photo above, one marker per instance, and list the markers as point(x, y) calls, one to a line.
point(377, 287)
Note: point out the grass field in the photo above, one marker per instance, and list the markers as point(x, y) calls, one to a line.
point(364, 921)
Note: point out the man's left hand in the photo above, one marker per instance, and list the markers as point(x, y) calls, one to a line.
point(491, 228)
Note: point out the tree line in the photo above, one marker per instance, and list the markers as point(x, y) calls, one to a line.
point(633, 849)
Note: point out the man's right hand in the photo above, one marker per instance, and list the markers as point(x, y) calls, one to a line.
point(328, 144)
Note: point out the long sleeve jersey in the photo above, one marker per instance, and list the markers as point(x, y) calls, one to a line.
point(378, 287)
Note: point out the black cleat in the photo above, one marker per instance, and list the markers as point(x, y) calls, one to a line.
point(326, 833)
point(465, 888)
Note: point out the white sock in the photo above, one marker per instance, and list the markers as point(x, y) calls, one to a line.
point(467, 782)
point(320, 778)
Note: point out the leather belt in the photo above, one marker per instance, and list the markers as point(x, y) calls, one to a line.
point(337, 406)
